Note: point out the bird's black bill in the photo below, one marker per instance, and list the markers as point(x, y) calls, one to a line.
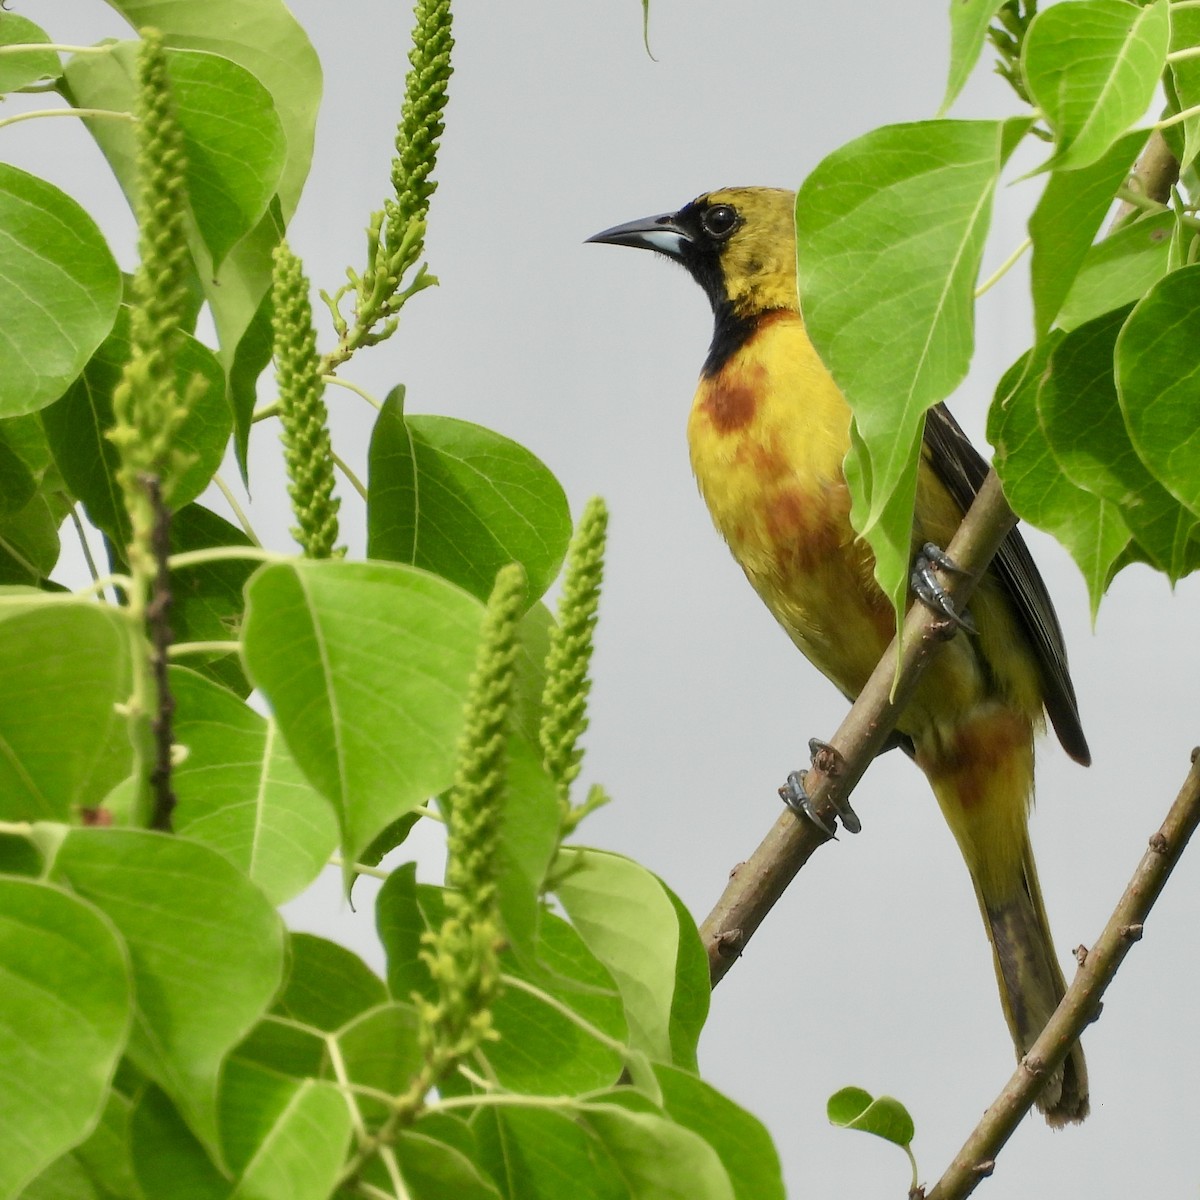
point(662, 233)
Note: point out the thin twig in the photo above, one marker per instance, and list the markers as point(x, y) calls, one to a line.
point(1081, 1003)
point(756, 884)
point(158, 613)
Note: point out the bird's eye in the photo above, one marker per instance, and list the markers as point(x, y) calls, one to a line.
point(719, 221)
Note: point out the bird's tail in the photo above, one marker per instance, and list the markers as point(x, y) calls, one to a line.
point(1031, 986)
point(985, 799)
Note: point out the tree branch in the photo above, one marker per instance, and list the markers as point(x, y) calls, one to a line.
point(1081, 1004)
point(1154, 176)
point(158, 626)
point(756, 884)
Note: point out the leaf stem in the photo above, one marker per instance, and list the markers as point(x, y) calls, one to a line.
point(238, 512)
point(65, 112)
point(353, 387)
point(1176, 118)
point(183, 649)
point(81, 534)
point(1003, 269)
point(354, 481)
point(52, 47)
point(209, 554)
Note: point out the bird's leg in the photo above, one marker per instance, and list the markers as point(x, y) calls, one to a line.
point(827, 759)
point(929, 591)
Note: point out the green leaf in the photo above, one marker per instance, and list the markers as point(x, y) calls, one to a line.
point(241, 792)
point(1185, 73)
point(167, 1158)
point(400, 921)
point(66, 671)
point(852, 1108)
point(1158, 378)
point(693, 988)
point(106, 1155)
point(286, 1139)
point(206, 947)
point(657, 1159)
point(433, 1170)
point(1092, 66)
point(1092, 529)
point(528, 841)
point(969, 21)
point(543, 1052)
point(366, 667)
point(207, 598)
point(65, 1179)
point(234, 289)
point(890, 232)
point(741, 1141)
point(628, 921)
point(380, 1050)
point(462, 502)
point(1066, 220)
point(59, 291)
point(31, 66)
point(263, 37)
point(233, 139)
point(29, 545)
point(328, 985)
point(77, 427)
point(65, 1012)
point(1119, 269)
point(17, 484)
point(543, 1154)
point(1081, 417)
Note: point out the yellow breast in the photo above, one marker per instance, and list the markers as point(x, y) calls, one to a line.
point(768, 433)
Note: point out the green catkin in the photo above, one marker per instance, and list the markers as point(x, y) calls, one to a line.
point(307, 448)
point(462, 954)
point(147, 409)
point(564, 698)
point(396, 233)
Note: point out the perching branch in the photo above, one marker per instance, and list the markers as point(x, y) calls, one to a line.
point(1082, 1002)
point(757, 884)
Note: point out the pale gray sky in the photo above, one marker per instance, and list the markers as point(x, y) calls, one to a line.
point(874, 970)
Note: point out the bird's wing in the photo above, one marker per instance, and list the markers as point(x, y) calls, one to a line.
point(961, 468)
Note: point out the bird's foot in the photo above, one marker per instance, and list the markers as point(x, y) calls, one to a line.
point(827, 759)
point(929, 590)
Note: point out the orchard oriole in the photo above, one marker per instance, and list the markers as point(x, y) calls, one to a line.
point(768, 433)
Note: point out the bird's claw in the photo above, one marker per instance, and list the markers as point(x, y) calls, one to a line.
point(827, 759)
point(929, 591)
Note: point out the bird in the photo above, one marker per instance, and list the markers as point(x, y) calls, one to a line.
point(768, 432)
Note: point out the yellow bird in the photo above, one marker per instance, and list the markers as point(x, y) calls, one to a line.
point(768, 433)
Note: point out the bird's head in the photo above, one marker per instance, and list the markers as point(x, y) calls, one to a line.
point(739, 244)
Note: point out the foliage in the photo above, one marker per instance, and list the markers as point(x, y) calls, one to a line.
point(534, 1032)
point(891, 232)
point(162, 1032)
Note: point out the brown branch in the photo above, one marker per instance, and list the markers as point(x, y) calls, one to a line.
point(756, 884)
point(1082, 1002)
point(157, 613)
point(1154, 175)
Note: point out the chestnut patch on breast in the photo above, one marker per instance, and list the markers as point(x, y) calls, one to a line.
point(731, 398)
point(970, 757)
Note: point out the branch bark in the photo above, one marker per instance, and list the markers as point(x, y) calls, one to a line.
point(1081, 1004)
point(755, 885)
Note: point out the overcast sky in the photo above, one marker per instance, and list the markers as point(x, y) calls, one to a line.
point(874, 970)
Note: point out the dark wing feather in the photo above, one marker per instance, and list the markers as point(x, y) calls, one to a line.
point(961, 468)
